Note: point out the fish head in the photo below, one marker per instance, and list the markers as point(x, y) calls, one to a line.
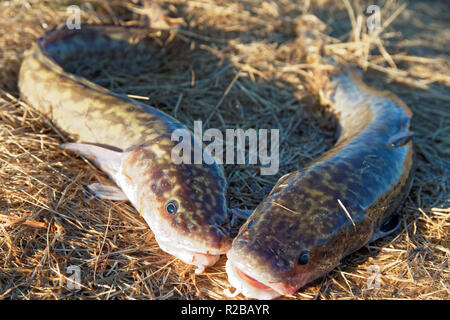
point(274, 255)
point(184, 204)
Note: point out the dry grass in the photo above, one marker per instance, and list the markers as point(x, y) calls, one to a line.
point(233, 64)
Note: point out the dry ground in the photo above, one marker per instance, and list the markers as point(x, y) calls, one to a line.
point(236, 64)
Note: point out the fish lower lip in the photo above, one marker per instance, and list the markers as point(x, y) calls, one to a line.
point(206, 252)
point(251, 281)
point(247, 285)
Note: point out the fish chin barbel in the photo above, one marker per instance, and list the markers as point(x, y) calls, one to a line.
point(345, 199)
point(184, 204)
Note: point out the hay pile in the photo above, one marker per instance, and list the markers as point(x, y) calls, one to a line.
point(247, 64)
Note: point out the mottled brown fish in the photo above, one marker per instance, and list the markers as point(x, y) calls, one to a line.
point(345, 199)
point(184, 204)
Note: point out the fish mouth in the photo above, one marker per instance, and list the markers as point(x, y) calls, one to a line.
point(254, 288)
point(196, 255)
point(202, 250)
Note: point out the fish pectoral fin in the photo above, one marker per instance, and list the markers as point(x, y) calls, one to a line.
point(107, 192)
point(387, 227)
point(107, 159)
point(399, 140)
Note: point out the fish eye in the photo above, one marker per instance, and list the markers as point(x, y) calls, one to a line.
point(303, 258)
point(172, 206)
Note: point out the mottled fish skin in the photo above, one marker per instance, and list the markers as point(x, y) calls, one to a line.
point(339, 203)
point(144, 170)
